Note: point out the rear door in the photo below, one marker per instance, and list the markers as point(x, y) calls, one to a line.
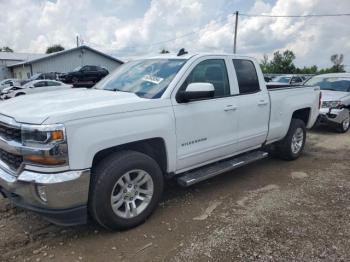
point(53, 85)
point(39, 86)
point(206, 130)
point(254, 106)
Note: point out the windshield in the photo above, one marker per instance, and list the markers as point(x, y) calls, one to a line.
point(147, 78)
point(281, 79)
point(77, 69)
point(341, 84)
point(34, 77)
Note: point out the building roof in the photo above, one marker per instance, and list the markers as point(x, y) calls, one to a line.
point(47, 56)
point(19, 56)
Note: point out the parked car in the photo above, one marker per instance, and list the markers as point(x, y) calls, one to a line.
point(10, 82)
point(42, 76)
point(286, 80)
point(33, 87)
point(106, 151)
point(88, 74)
point(335, 107)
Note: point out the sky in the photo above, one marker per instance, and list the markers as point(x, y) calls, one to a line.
point(132, 28)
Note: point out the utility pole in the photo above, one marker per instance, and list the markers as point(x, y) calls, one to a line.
point(77, 41)
point(235, 38)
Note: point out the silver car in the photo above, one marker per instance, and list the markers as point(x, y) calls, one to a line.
point(33, 87)
point(335, 102)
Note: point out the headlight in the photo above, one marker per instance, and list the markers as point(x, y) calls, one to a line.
point(43, 135)
point(331, 104)
point(49, 142)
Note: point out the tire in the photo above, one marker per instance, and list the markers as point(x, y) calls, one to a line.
point(292, 146)
point(107, 179)
point(75, 81)
point(344, 126)
point(19, 94)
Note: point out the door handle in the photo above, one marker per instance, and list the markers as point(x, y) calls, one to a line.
point(262, 103)
point(230, 108)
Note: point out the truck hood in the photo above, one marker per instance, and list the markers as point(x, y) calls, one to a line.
point(329, 95)
point(66, 105)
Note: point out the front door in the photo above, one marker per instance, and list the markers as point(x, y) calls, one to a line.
point(206, 130)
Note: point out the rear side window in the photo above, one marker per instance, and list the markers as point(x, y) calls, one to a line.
point(247, 77)
point(53, 83)
point(210, 71)
point(40, 84)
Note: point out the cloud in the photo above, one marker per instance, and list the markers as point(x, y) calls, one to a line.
point(129, 27)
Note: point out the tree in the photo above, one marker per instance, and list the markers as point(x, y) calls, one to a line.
point(265, 64)
point(6, 49)
point(337, 61)
point(54, 48)
point(164, 51)
point(307, 70)
point(283, 63)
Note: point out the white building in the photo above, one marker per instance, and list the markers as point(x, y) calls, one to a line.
point(8, 59)
point(61, 62)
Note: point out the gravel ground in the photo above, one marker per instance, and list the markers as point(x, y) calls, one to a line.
point(271, 210)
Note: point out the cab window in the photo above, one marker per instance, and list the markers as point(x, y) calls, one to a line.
point(210, 71)
point(247, 77)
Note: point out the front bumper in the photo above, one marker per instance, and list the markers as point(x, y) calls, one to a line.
point(332, 116)
point(66, 194)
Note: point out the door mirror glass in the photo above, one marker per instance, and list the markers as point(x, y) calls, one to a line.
point(196, 91)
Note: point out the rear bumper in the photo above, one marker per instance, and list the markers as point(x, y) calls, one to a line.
point(60, 197)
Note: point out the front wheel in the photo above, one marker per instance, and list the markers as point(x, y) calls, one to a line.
point(126, 188)
point(291, 147)
point(345, 125)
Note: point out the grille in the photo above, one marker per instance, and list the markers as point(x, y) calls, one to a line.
point(13, 161)
point(10, 133)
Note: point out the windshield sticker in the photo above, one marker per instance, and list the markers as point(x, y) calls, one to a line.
point(152, 79)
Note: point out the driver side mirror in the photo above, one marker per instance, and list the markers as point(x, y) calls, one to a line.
point(196, 91)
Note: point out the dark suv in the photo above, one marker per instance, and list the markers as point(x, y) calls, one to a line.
point(84, 75)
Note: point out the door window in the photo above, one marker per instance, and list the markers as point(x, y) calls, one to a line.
point(40, 84)
point(210, 71)
point(53, 83)
point(296, 80)
point(247, 77)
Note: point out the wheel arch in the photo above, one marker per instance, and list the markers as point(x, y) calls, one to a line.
point(153, 147)
point(302, 114)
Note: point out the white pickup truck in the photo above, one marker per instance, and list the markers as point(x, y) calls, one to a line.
point(105, 152)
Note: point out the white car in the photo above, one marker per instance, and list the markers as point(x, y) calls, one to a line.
point(33, 87)
point(335, 107)
point(10, 82)
point(106, 151)
point(285, 80)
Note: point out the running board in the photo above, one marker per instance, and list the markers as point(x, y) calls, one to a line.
point(218, 168)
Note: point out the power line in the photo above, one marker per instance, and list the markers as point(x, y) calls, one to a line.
point(218, 20)
point(295, 16)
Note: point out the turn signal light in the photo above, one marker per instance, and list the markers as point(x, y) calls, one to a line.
point(57, 135)
point(44, 160)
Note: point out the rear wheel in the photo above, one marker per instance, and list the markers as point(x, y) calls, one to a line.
point(291, 147)
point(125, 189)
point(20, 94)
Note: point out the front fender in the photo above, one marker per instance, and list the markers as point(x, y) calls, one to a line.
point(87, 137)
